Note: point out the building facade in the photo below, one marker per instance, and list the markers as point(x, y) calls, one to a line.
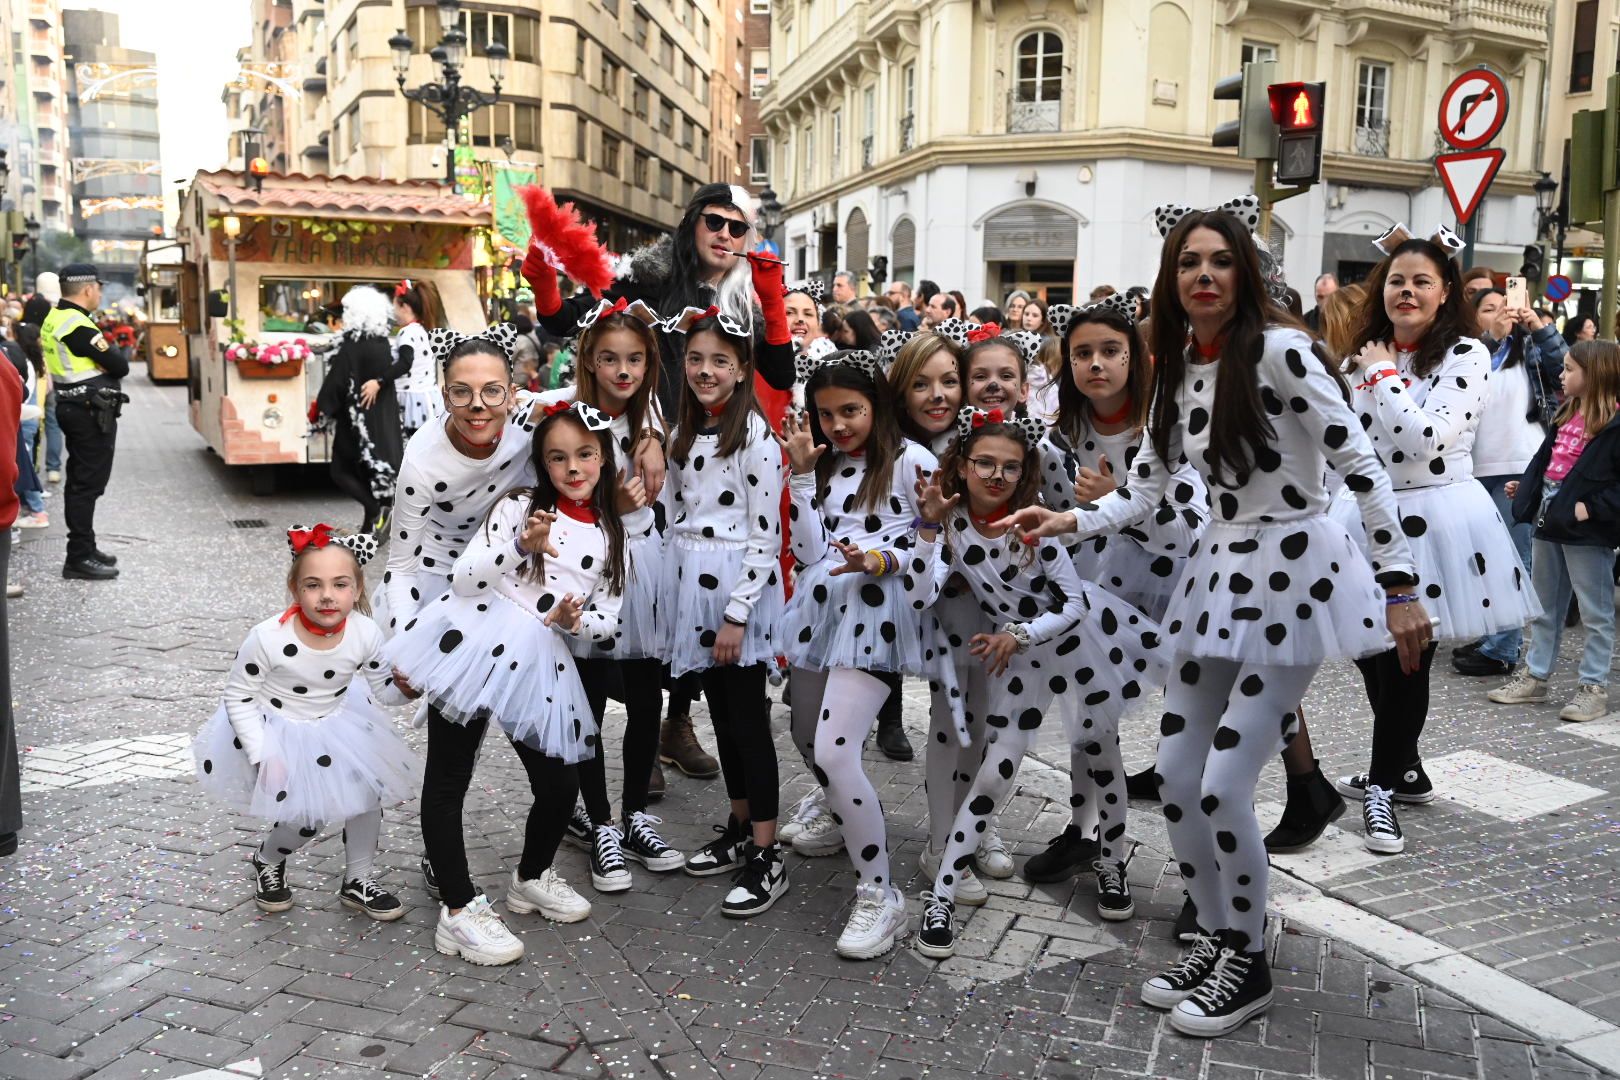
point(994, 146)
point(117, 202)
point(1585, 47)
point(44, 121)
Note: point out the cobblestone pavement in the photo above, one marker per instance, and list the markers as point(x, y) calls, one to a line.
point(130, 946)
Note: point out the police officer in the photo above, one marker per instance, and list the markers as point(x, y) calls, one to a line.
point(85, 369)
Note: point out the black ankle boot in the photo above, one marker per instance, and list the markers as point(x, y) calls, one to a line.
point(1312, 805)
point(1143, 785)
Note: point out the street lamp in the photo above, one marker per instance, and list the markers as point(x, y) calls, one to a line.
point(33, 229)
point(233, 228)
point(448, 99)
point(1550, 217)
point(770, 212)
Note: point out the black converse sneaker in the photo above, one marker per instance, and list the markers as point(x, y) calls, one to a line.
point(1380, 832)
point(762, 879)
point(1238, 988)
point(270, 889)
point(643, 844)
point(608, 871)
point(1064, 856)
point(1412, 787)
point(1114, 902)
point(580, 832)
point(724, 853)
point(1171, 988)
point(363, 894)
point(937, 939)
point(430, 880)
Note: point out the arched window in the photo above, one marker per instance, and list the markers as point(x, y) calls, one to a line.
point(1040, 67)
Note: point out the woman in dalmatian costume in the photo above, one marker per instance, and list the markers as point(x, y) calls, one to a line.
point(1049, 635)
point(860, 608)
point(298, 740)
point(1420, 389)
point(1274, 588)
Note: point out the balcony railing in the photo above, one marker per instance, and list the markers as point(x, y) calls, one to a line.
point(1024, 117)
point(1372, 139)
point(867, 152)
point(908, 132)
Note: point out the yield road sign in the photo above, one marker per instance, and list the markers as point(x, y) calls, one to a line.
point(1473, 109)
point(1466, 175)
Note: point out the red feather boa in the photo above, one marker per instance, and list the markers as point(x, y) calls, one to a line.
point(570, 244)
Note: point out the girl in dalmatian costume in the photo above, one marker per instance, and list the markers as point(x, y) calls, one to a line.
point(860, 607)
point(1420, 389)
point(548, 564)
point(1274, 588)
point(298, 739)
point(1051, 635)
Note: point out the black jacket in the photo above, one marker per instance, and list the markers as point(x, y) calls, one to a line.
point(1594, 480)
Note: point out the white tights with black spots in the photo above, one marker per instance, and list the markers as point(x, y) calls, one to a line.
point(833, 712)
point(360, 836)
point(1222, 722)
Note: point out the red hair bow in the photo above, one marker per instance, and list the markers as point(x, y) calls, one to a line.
point(558, 406)
point(994, 416)
point(618, 305)
point(708, 313)
point(316, 536)
point(984, 332)
point(402, 288)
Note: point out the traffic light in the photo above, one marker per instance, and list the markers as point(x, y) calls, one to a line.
point(1253, 132)
point(1296, 110)
point(879, 272)
point(1534, 266)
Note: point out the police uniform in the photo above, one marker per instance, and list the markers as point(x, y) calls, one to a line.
point(85, 369)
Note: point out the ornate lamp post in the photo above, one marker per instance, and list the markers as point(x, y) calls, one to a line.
point(770, 212)
point(1550, 217)
point(448, 99)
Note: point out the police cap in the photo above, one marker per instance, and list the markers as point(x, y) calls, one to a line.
point(80, 274)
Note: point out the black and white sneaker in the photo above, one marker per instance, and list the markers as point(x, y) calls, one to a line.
point(723, 854)
point(1380, 832)
point(937, 938)
point(643, 844)
point(1114, 902)
point(608, 870)
point(368, 896)
point(1413, 787)
point(270, 889)
point(758, 885)
point(430, 880)
point(1171, 988)
point(1187, 928)
point(580, 832)
point(1237, 989)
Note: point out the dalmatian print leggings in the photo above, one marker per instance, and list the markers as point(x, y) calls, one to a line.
point(1223, 721)
point(360, 836)
point(833, 712)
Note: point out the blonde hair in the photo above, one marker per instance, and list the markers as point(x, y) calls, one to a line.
point(362, 602)
point(1341, 319)
point(1599, 361)
point(911, 359)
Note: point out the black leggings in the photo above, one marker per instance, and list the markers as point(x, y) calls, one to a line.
point(889, 715)
point(639, 684)
point(452, 750)
point(1400, 705)
point(742, 734)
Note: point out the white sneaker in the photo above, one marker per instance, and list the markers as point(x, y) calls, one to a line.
point(1591, 702)
point(811, 807)
point(548, 894)
point(822, 836)
point(41, 520)
point(477, 935)
point(53, 477)
point(969, 889)
point(1522, 689)
point(991, 855)
point(877, 921)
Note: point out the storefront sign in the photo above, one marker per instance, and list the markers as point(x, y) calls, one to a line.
point(357, 245)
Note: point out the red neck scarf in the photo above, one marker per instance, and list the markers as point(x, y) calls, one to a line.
point(1401, 346)
point(1116, 418)
point(303, 620)
point(995, 515)
point(1212, 350)
point(579, 511)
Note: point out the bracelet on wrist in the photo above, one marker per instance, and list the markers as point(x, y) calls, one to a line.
point(1392, 599)
point(882, 565)
point(735, 622)
point(1018, 632)
point(919, 523)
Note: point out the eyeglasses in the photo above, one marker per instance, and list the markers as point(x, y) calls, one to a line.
point(986, 469)
point(717, 223)
point(493, 396)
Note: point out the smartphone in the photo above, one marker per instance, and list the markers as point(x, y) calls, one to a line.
point(1518, 296)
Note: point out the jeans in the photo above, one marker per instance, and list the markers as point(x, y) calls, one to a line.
point(53, 436)
point(1587, 573)
point(33, 497)
point(1504, 644)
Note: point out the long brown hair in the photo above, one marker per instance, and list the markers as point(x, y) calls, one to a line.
point(1341, 309)
point(883, 444)
point(1454, 320)
point(1074, 407)
point(743, 404)
point(908, 362)
point(1024, 493)
point(588, 390)
point(422, 297)
point(1599, 362)
point(604, 499)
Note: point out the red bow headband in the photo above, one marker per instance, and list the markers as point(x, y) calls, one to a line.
point(558, 406)
point(301, 538)
point(402, 288)
point(994, 416)
point(317, 535)
point(984, 333)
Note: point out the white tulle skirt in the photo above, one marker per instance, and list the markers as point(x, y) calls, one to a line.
point(417, 409)
point(1130, 572)
point(486, 656)
point(429, 587)
point(637, 637)
point(858, 621)
point(699, 576)
point(1111, 660)
point(313, 771)
point(1469, 574)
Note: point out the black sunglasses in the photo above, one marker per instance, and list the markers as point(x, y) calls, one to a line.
point(718, 223)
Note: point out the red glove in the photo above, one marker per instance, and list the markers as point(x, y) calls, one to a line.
point(772, 292)
point(543, 280)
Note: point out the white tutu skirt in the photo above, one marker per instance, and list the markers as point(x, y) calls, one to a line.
point(1469, 574)
point(484, 656)
point(1112, 660)
point(637, 637)
point(429, 586)
point(1130, 572)
point(698, 578)
point(313, 771)
point(416, 409)
point(1288, 594)
point(858, 621)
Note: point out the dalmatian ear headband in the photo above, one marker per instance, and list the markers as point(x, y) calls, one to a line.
point(443, 341)
point(814, 288)
point(1246, 208)
point(859, 359)
point(1447, 240)
point(301, 538)
point(956, 331)
point(683, 322)
point(595, 419)
point(891, 343)
point(1026, 343)
point(969, 419)
point(604, 308)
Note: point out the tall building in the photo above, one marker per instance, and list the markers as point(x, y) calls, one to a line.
point(741, 28)
point(1585, 45)
point(113, 133)
point(1026, 143)
point(45, 130)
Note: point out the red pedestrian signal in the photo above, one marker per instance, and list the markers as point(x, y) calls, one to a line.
point(1296, 106)
point(1297, 110)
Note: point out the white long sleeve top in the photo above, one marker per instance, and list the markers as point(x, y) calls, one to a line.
point(1181, 515)
point(1423, 428)
point(421, 379)
point(276, 670)
point(1038, 590)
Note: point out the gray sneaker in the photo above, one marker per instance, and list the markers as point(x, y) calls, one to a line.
point(1523, 689)
point(1591, 702)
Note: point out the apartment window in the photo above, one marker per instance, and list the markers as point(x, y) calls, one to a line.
point(691, 74)
point(868, 126)
point(689, 16)
point(639, 176)
point(526, 127)
point(493, 124)
point(610, 76)
point(611, 7)
point(666, 183)
point(759, 7)
point(807, 155)
point(582, 137)
point(525, 38)
point(519, 33)
point(351, 42)
point(642, 25)
point(908, 107)
point(759, 158)
point(1040, 68)
point(1580, 56)
point(638, 97)
point(1372, 109)
point(352, 127)
point(610, 155)
point(1256, 51)
point(688, 132)
point(837, 143)
point(666, 117)
point(425, 127)
point(666, 51)
point(579, 54)
point(759, 72)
